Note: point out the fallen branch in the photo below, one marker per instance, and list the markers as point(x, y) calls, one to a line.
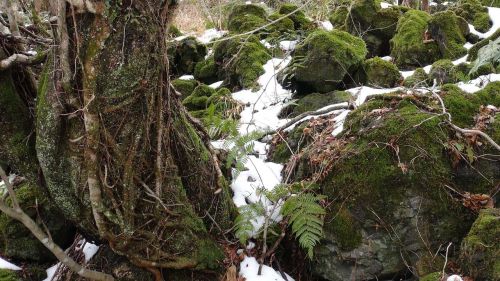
point(310, 113)
point(17, 59)
point(475, 132)
point(17, 213)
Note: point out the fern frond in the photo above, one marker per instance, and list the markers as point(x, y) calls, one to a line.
point(243, 225)
point(306, 218)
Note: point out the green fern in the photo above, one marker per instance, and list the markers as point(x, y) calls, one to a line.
point(305, 216)
point(243, 223)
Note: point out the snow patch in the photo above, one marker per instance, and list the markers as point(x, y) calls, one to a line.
point(7, 265)
point(249, 268)
point(211, 34)
point(494, 14)
point(186, 77)
point(288, 45)
point(327, 25)
point(216, 84)
point(479, 83)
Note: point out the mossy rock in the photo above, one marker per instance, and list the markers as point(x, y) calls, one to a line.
point(463, 106)
point(487, 58)
point(379, 73)
point(449, 31)
point(281, 30)
point(300, 21)
point(408, 47)
point(475, 49)
point(491, 3)
point(241, 61)
point(173, 31)
point(316, 101)
point(481, 248)
point(374, 25)
point(323, 60)
point(246, 17)
point(206, 71)
point(8, 275)
point(474, 13)
point(444, 72)
point(374, 184)
point(435, 276)
point(418, 79)
point(483, 69)
point(198, 98)
point(185, 87)
point(185, 54)
point(17, 242)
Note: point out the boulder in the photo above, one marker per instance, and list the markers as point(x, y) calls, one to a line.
point(323, 60)
point(488, 57)
point(17, 242)
point(313, 102)
point(385, 178)
point(184, 87)
point(474, 50)
point(299, 19)
point(444, 72)
point(418, 79)
point(240, 61)
point(408, 47)
point(481, 248)
point(184, 55)
point(246, 17)
point(206, 71)
point(379, 73)
point(449, 32)
point(197, 100)
point(474, 13)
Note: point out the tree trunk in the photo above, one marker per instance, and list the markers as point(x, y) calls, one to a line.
point(116, 150)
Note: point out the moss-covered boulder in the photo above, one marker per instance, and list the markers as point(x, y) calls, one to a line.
point(241, 61)
point(8, 275)
point(184, 87)
point(491, 3)
point(206, 71)
point(481, 248)
point(246, 17)
point(197, 100)
point(315, 101)
point(379, 73)
point(475, 13)
point(184, 55)
point(444, 72)
point(299, 19)
point(17, 242)
point(488, 57)
point(386, 208)
point(408, 47)
point(366, 19)
point(419, 78)
point(323, 60)
point(449, 31)
point(279, 31)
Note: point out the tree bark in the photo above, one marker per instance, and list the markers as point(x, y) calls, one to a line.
point(109, 131)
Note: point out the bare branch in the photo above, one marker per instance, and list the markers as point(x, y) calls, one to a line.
point(18, 214)
point(16, 59)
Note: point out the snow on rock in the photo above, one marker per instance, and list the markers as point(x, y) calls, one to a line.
point(494, 17)
point(288, 45)
point(454, 278)
point(51, 271)
point(460, 60)
point(407, 74)
point(89, 249)
point(186, 77)
point(363, 92)
point(211, 34)
point(249, 269)
point(479, 83)
point(327, 25)
point(216, 84)
point(385, 5)
point(7, 265)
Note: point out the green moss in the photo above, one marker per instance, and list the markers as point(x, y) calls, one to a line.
point(242, 61)
point(473, 12)
point(299, 19)
point(418, 79)
point(198, 99)
point(491, 3)
point(209, 255)
point(462, 71)
point(484, 69)
point(246, 17)
point(295, 140)
point(436, 276)
point(490, 95)
point(446, 29)
point(316, 101)
point(444, 72)
point(338, 17)
point(8, 275)
point(481, 248)
point(323, 60)
point(206, 71)
point(407, 45)
point(345, 229)
point(185, 87)
point(380, 73)
point(173, 31)
point(475, 49)
point(185, 54)
point(17, 242)
point(462, 106)
point(282, 30)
